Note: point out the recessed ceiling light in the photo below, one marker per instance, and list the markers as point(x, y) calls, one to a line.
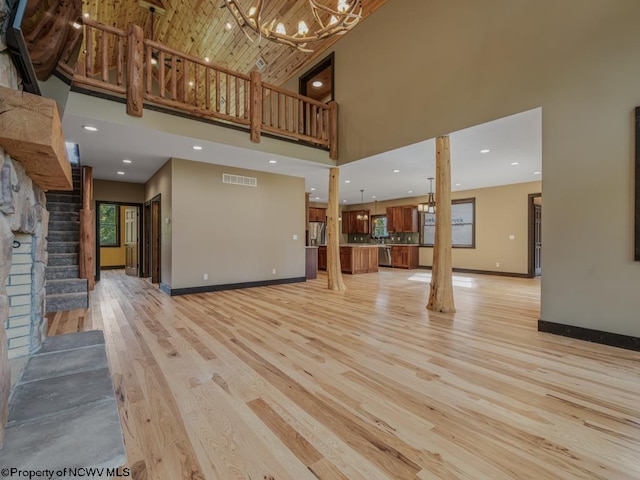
point(206, 59)
point(396, 171)
point(126, 161)
point(458, 184)
point(347, 181)
point(86, 15)
point(313, 189)
point(273, 161)
point(120, 173)
point(317, 198)
point(486, 150)
point(537, 173)
point(197, 147)
point(373, 196)
point(154, 61)
point(191, 83)
point(76, 25)
point(228, 26)
point(515, 163)
point(344, 201)
point(410, 191)
point(317, 84)
point(90, 128)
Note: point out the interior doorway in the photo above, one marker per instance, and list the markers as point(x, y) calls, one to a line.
point(152, 240)
point(118, 231)
point(535, 235)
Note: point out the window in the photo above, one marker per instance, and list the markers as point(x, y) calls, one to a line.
point(463, 224)
point(109, 225)
point(379, 226)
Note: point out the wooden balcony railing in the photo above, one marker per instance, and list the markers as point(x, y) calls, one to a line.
point(144, 71)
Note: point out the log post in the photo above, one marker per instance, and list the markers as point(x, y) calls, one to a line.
point(333, 130)
point(87, 229)
point(255, 101)
point(441, 295)
point(334, 271)
point(135, 58)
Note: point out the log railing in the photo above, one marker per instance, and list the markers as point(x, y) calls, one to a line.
point(145, 71)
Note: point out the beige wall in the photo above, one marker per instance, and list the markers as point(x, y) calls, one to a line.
point(444, 65)
point(160, 184)
point(233, 233)
point(500, 212)
point(115, 256)
point(109, 191)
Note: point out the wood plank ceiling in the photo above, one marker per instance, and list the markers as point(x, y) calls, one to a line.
point(197, 27)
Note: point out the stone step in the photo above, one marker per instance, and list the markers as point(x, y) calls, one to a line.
point(64, 226)
point(60, 259)
point(60, 272)
point(63, 207)
point(64, 197)
point(64, 217)
point(69, 285)
point(63, 237)
point(64, 247)
point(66, 301)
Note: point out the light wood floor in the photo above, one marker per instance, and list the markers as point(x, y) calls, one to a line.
point(296, 382)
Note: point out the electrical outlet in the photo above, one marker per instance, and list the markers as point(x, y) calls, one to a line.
point(295, 237)
point(498, 264)
point(205, 276)
point(273, 271)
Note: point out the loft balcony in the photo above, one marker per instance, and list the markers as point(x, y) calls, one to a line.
point(125, 66)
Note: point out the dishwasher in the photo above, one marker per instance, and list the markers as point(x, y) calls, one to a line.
point(384, 256)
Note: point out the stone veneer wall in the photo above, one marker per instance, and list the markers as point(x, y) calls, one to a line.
point(22, 210)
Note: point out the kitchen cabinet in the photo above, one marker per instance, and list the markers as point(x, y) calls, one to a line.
point(351, 224)
point(322, 258)
point(405, 256)
point(402, 219)
point(317, 214)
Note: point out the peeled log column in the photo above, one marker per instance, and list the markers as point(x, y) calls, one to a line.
point(441, 296)
point(334, 272)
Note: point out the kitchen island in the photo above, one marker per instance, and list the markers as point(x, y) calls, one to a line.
point(355, 258)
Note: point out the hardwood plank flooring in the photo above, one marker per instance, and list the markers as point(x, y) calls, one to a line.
point(298, 382)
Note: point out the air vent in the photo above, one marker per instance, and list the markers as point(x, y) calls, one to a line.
point(261, 63)
point(239, 180)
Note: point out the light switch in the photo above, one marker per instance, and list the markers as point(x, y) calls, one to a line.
point(512, 237)
point(295, 237)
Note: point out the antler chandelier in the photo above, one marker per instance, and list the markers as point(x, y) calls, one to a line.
point(327, 22)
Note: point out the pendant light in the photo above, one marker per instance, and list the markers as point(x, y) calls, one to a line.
point(430, 206)
point(363, 215)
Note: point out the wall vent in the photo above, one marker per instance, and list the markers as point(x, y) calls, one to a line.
point(261, 63)
point(239, 180)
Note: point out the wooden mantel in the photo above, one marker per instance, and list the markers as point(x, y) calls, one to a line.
point(31, 132)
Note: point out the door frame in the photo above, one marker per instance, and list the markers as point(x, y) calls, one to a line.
point(531, 271)
point(147, 238)
point(97, 225)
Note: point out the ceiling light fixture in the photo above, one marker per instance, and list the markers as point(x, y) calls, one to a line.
point(120, 173)
point(373, 196)
point(486, 150)
point(85, 15)
point(326, 22)
point(513, 164)
point(273, 161)
point(313, 189)
point(206, 59)
point(410, 191)
point(197, 147)
point(458, 184)
point(363, 214)
point(347, 181)
point(430, 206)
point(228, 26)
point(317, 84)
point(537, 173)
point(90, 128)
point(396, 171)
point(126, 160)
point(317, 198)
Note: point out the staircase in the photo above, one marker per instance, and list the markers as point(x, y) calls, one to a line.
point(65, 291)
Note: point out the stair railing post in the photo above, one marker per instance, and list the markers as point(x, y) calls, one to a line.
point(255, 103)
point(87, 229)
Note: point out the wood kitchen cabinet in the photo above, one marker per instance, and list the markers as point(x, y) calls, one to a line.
point(405, 256)
point(317, 214)
point(402, 219)
point(322, 258)
point(351, 224)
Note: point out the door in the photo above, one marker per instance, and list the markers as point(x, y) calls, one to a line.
point(154, 252)
point(131, 241)
point(537, 240)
